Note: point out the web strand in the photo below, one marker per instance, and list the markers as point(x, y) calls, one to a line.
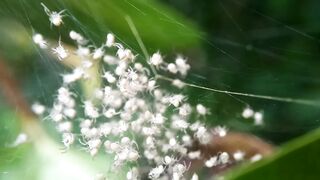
point(273, 98)
point(140, 42)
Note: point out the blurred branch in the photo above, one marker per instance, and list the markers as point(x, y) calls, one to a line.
point(12, 93)
point(249, 144)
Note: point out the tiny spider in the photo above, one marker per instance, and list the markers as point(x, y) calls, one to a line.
point(68, 140)
point(167, 160)
point(61, 52)
point(54, 17)
point(156, 172)
point(179, 169)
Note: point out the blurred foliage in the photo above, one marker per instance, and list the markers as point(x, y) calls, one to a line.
point(159, 26)
point(260, 47)
point(11, 157)
point(296, 160)
point(43, 158)
point(9, 126)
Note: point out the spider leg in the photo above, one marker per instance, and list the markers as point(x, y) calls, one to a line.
point(47, 10)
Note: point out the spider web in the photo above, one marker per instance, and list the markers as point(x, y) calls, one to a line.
point(248, 64)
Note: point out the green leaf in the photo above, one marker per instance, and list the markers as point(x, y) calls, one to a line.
point(9, 127)
point(10, 156)
point(159, 26)
point(298, 159)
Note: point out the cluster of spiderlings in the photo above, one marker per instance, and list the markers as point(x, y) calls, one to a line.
point(131, 117)
point(249, 113)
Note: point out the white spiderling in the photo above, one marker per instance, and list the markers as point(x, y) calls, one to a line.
point(195, 177)
point(38, 39)
point(178, 83)
point(178, 171)
point(90, 110)
point(194, 154)
point(211, 162)
point(65, 126)
point(67, 139)
point(256, 157)
point(220, 131)
point(60, 51)
point(238, 155)
point(38, 108)
point(133, 174)
point(224, 158)
point(98, 53)
point(20, 139)
point(125, 54)
point(110, 40)
point(83, 51)
point(176, 100)
point(201, 109)
point(156, 172)
point(156, 59)
point(172, 68)
point(55, 18)
point(258, 118)
point(182, 66)
point(77, 37)
point(247, 113)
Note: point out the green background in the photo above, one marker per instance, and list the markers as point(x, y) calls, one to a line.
point(258, 47)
